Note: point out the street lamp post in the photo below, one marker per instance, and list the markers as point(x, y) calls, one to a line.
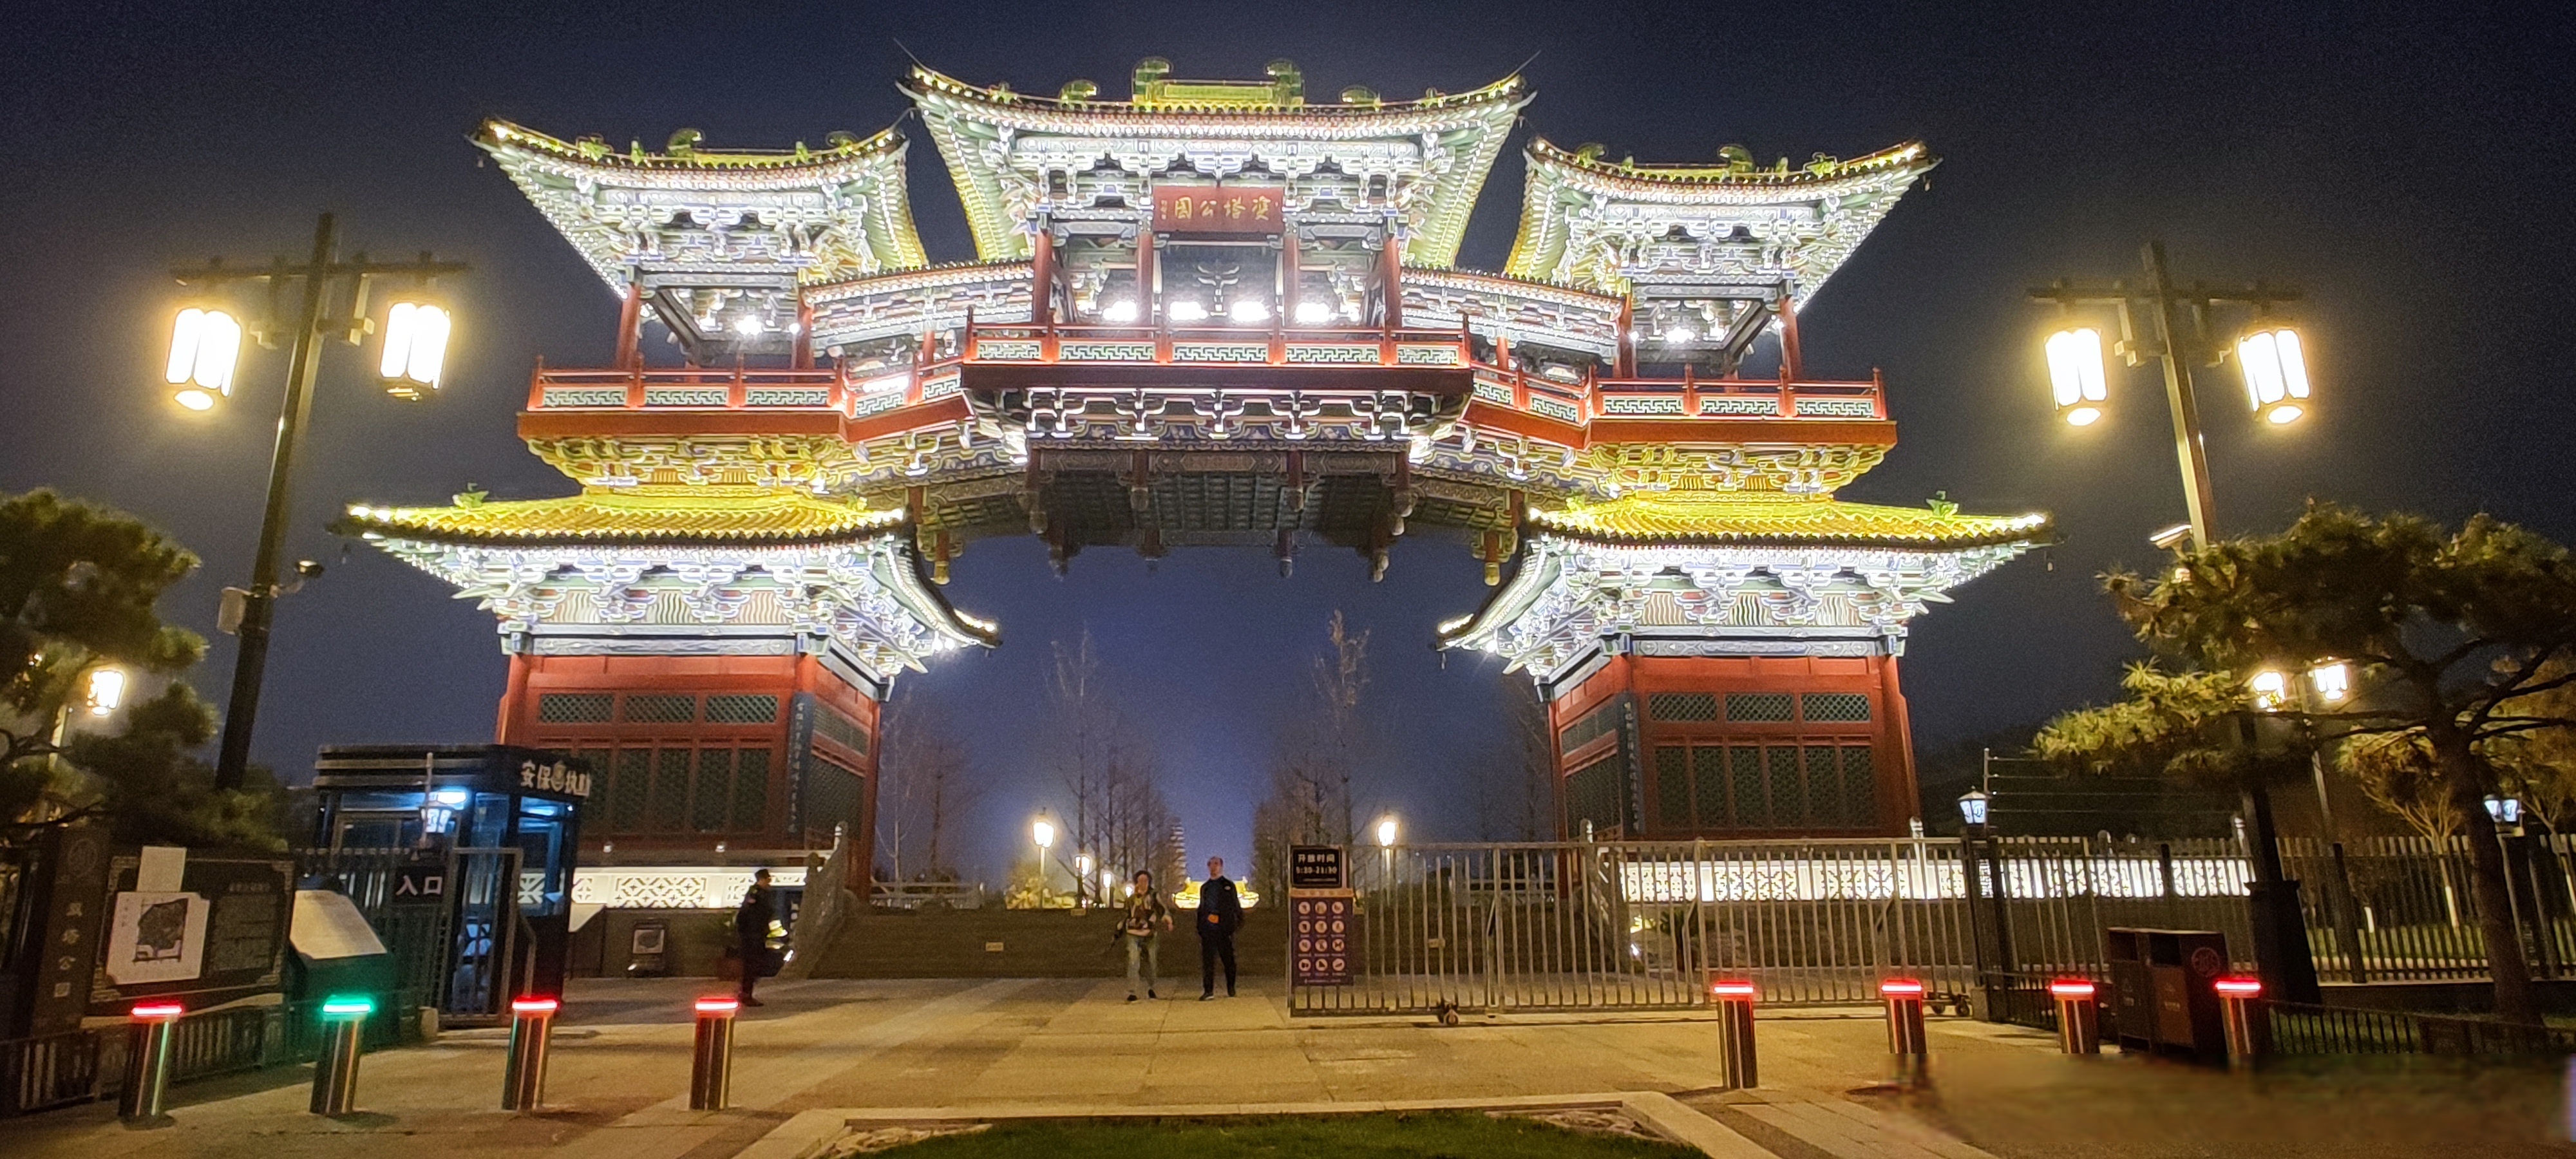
point(2274, 363)
point(1043, 833)
point(204, 344)
point(2275, 367)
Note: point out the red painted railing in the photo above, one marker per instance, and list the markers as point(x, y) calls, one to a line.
point(838, 388)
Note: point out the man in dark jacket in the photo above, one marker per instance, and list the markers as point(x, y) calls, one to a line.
point(1220, 914)
point(751, 932)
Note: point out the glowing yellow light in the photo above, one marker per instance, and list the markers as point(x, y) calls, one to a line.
point(1121, 311)
point(415, 353)
point(106, 690)
point(2333, 682)
point(2083, 416)
point(2271, 691)
point(2276, 374)
point(1044, 834)
point(1386, 832)
point(2075, 371)
point(205, 346)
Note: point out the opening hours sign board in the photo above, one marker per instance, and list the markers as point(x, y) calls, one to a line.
point(1321, 916)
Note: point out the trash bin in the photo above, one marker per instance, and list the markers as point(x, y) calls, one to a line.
point(2161, 993)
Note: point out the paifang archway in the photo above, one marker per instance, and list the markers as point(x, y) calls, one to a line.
point(1216, 313)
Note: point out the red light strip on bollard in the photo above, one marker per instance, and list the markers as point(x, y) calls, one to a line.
point(2239, 987)
point(1900, 988)
point(534, 1006)
point(153, 1011)
point(2071, 988)
point(1742, 990)
point(724, 1006)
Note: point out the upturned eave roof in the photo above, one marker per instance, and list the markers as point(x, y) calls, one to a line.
point(1723, 518)
point(659, 515)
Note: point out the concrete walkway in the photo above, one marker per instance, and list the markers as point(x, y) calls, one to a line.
point(820, 1049)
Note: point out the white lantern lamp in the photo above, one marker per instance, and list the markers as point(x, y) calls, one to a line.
point(205, 347)
point(2075, 375)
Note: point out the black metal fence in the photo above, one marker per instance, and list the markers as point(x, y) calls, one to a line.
point(2299, 1029)
point(78, 1066)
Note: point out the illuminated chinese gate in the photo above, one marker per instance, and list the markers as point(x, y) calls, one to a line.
point(1213, 314)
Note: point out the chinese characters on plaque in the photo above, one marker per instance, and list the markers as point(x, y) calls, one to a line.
point(1322, 916)
point(1252, 209)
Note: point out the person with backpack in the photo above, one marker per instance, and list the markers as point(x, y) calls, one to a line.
point(1146, 920)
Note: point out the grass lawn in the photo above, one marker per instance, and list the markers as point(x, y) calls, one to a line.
point(1446, 1135)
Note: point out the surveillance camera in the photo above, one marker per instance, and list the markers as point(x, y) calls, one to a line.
point(307, 568)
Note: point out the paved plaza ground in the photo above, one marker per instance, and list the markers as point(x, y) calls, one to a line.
point(824, 1050)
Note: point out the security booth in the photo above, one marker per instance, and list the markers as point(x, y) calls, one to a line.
point(462, 859)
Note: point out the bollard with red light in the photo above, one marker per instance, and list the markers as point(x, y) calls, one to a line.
point(335, 1074)
point(532, 1032)
point(2079, 1015)
point(1735, 1033)
point(711, 1070)
point(1905, 1039)
point(2249, 1029)
point(147, 1061)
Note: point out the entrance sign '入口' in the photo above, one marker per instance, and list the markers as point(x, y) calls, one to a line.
point(1321, 915)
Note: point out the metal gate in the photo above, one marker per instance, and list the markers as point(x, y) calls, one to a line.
point(1646, 925)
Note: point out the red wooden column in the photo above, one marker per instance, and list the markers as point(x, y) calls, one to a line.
point(630, 323)
point(1042, 286)
point(1897, 741)
point(803, 346)
point(1793, 364)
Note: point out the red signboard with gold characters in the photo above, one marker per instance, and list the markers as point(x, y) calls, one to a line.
point(1237, 209)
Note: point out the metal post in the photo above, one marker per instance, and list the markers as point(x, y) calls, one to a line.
point(2280, 931)
point(2248, 1024)
point(1905, 1039)
point(1735, 1034)
point(532, 1032)
point(711, 1068)
point(147, 1062)
point(2079, 1015)
point(335, 1074)
point(250, 662)
point(2193, 457)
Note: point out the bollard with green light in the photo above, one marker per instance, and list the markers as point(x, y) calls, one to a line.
point(147, 1065)
point(532, 1029)
point(335, 1074)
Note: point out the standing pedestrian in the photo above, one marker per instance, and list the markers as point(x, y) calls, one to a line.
point(1220, 914)
point(1147, 918)
point(751, 932)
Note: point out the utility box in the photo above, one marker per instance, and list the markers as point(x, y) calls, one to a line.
point(2162, 993)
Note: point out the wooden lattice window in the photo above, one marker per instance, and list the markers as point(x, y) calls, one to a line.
point(1682, 706)
point(742, 708)
point(1672, 786)
point(751, 790)
point(573, 707)
point(1835, 707)
point(660, 708)
point(1758, 707)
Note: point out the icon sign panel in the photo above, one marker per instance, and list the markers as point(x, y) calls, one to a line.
point(1321, 945)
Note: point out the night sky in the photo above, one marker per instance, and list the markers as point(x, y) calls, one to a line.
point(2407, 166)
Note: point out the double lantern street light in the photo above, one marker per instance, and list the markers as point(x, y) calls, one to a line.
point(2269, 354)
point(205, 352)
